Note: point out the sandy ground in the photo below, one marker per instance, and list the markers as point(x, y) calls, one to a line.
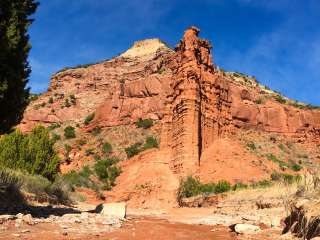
point(136, 228)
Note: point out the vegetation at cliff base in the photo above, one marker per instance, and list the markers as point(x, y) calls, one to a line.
point(14, 66)
point(33, 153)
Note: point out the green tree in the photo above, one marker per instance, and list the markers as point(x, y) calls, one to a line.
point(14, 67)
point(33, 152)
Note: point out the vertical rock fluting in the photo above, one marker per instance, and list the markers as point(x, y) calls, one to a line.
point(198, 108)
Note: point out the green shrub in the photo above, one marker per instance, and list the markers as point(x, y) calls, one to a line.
point(280, 99)
point(191, 186)
point(144, 123)
point(73, 99)
point(32, 152)
point(283, 165)
point(188, 187)
point(9, 189)
point(69, 132)
point(67, 103)
point(133, 150)
point(262, 184)
point(151, 142)
point(55, 137)
point(222, 186)
point(96, 131)
point(106, 148)
point(50, 101)
point(296, 167)
point(107, 171)
point(252, 146)
point(54, 126)
point(89, 118)
point(79, 179)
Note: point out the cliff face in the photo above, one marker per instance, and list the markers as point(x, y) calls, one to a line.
point(196, 103)
point(198, 108)
point(119, 90)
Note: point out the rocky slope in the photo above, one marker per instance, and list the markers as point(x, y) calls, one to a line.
point(202, 115)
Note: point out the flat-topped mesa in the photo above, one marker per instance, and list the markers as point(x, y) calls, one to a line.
point(144, 48)
point(198, 109)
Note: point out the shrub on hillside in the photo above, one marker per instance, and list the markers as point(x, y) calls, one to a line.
point(151, 142)
point(89, 118)
point(96, 131)
point(144, 123)
point(280, 99)
point(133, 150)
point(69, 132)
point(107, 171)
point(32, 152)
point(106, 148)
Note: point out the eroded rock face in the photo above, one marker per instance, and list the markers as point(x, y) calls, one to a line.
point(196, 103)
point(198, 109)
point(119, 90)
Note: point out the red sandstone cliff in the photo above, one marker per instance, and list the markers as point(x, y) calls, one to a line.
point(202, 113)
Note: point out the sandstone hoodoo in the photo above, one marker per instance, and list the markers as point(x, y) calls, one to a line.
point(212, 124)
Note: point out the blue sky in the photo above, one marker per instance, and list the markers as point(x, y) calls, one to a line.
point(278, 41)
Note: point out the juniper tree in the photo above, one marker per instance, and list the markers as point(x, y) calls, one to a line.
point(14, 67)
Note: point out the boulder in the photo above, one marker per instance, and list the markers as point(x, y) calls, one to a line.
point(246, 229)
point(112, 209)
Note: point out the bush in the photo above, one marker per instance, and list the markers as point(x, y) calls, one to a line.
point(151, 142)
point(296, 167)
point(32, 152)
point(188, 187)
point(107, 171)
point(55, 137)
point(252, 146)
point(222, 186)
point(42, 189)
point(280, 99)
point(133, 150)
point(69, 132)
point(89, 118)
point(79, 179)
point(106, 148)
point(144, 123)
point(283, 165)
point(191, 186)
point(96, 131)
point(54, 126)
point(9, 189)
point(50, 101)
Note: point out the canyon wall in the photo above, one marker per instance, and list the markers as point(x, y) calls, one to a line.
point(198, 107)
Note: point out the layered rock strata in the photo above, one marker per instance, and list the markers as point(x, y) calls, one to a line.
point(198, 108)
